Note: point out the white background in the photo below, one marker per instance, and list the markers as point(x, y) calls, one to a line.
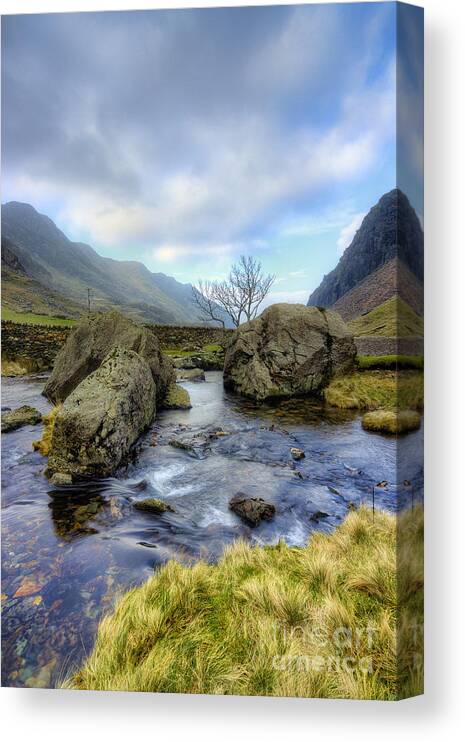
point(58, 715)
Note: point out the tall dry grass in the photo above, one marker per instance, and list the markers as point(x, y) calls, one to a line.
point(333, 619)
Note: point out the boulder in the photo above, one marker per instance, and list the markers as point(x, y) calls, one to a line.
point(193, 374)
point(177, 398)
point(251, 509)
point(290, 350)
point(99, 421)
point(89, 343)
point(153, 505)
point(25, 415)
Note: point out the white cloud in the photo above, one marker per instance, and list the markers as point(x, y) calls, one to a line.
point(191, 171)
point(348, 232)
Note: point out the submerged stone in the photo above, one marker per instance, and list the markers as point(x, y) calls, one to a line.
point(251, 509)
point(153, 505)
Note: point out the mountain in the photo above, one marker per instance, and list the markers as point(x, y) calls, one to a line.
point(391, 231)
point(24, 294)
point(47, 256)
point(392, 278)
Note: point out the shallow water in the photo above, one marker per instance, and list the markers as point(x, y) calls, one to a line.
point(68, 552)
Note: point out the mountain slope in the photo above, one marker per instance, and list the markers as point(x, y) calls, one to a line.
point(393, 318)
point(392, 278)
point(22, 294)
point(390, 230)
point(48, 256)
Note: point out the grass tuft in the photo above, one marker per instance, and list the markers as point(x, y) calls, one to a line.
point(372, 390)
point(393, 422)
point(43, 445)
point(318, 621)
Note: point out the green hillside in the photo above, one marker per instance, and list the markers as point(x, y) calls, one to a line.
point(393, 318)
point(28, 318)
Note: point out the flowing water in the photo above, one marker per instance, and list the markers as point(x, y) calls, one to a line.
point(67, 553)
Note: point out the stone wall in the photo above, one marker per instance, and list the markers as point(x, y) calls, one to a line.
point(37, 343)
point(371, 345)
point(40, 343)
point(171, 336)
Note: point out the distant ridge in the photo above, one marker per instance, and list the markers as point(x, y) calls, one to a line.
point(390, 231)
point(44, 254)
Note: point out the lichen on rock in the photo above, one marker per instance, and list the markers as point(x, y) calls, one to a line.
point(290, 350)
point(103, 417)
point(25, 415)
point(91, 341)
point(177, 398)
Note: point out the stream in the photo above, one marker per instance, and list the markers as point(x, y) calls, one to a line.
point(67, 553)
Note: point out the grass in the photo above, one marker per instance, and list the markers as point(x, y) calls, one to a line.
point(35, 319)
point(318, 621)
point(372, 390)
point(393, 318)
point(18, 367)
point(391, 421)
point(389, 362)
point(43, 445)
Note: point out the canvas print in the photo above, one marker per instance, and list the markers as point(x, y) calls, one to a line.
point(212, 351)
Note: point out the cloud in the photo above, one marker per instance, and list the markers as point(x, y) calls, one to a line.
point(192, 132)
point(347, 233)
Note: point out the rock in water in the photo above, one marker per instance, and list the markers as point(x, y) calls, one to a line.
point(25, 415)
point(251, 509)
point(177, 398)
point(91, 341)
point(288, 351)
point(103, 417)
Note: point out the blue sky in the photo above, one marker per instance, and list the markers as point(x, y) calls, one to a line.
point(185, 138)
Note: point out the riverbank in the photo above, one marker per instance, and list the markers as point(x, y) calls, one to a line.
point(68, 553)
point(318, 621)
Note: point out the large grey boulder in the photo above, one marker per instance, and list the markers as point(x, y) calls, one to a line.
point(91, 341)
point(290, 350)
point(101, 419)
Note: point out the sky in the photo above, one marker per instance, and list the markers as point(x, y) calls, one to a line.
point(186, 138)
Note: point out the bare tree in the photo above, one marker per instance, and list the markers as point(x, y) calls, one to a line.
point(203, 297)
point(240, 295)
point(250, 284)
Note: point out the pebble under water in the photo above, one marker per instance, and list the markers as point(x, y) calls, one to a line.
point(67, 553)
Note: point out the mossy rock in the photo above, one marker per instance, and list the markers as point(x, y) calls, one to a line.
point(392, 422)
point(177, 398)
point(153, 505)
point(25, 415)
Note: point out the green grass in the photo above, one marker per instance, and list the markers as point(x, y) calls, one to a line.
point(35, 319)
point(372, 390)
point(393, 422)
point(318, 621)
point(390, 362)
point(393, 318)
